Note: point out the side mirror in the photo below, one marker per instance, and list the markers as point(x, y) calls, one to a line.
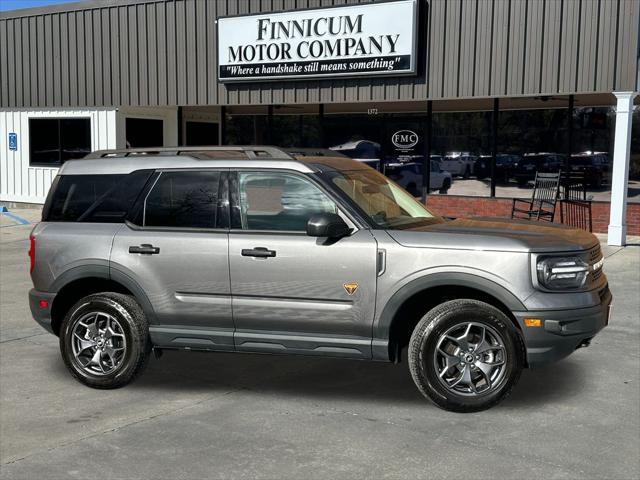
point(328, 225)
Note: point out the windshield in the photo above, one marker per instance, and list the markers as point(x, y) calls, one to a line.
point(384, 202)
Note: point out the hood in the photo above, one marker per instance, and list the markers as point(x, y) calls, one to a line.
point(496, 234)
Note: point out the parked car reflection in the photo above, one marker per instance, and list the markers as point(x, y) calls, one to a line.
point(409, 176)
point(593, 165)
point(506, 165)
point(364, 151)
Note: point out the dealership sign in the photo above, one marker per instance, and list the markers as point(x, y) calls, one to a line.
point(355, 40)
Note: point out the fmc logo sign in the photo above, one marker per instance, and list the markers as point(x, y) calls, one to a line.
point(405, 139)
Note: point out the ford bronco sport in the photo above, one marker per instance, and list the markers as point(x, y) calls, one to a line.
point(251, 249)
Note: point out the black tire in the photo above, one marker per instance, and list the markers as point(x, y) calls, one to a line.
point(436, 323)
point(467, 172)
point(446, 185)
point(412, 188)
point(126, 311)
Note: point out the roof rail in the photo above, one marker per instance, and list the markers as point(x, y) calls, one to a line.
point(236, 152)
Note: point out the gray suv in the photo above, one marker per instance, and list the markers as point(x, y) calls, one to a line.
point(252, 249)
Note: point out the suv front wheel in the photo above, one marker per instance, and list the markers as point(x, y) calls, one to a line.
point(465, 355)
point(104, 340)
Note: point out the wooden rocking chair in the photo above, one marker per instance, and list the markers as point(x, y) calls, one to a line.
point(542, 205)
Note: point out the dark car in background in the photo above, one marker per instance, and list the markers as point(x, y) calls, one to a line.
point(506, 165)
point(537, 162)
point(364, 151)
point(595, 167)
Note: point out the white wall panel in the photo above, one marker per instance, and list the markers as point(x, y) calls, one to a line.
point(20, 182)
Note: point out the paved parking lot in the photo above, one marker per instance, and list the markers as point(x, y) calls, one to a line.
point(195, 415)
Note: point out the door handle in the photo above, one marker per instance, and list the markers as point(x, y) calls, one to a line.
point(144, 249)
point(260, 252)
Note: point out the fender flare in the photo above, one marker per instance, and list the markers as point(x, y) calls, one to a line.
point(103, 271)
point(382, 326)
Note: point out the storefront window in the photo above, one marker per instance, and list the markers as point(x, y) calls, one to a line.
point(532, 141)
point(52, 141)
point(462, 147)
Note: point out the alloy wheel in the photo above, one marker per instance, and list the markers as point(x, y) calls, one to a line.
point(98, 343)
point(470, 359)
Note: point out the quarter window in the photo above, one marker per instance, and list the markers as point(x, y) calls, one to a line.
point(183, 199)
point(52, 141)
point(279, 201)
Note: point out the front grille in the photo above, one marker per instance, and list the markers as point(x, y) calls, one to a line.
point(595, 255)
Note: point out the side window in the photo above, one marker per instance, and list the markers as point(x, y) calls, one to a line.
point(279, 201)
point(183, 199)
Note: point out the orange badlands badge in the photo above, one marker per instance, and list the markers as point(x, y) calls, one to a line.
point(350, 287)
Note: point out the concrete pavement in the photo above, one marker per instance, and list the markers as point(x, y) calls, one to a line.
point(196, 415)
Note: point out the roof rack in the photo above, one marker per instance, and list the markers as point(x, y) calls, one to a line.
point(220, 152)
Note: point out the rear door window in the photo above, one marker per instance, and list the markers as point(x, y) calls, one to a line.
point(186, 199)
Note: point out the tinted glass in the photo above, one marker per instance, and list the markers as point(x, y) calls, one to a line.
point(52, 141)
point(74, 195)
point(386, 204)
point(183, 199)
point(280, 201)
point(144, 132)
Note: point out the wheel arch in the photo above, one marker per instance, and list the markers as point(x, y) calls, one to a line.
point(407, 306)
point(79, 282)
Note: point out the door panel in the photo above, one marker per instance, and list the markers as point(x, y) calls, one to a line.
point(301, 291)
point(187, 283)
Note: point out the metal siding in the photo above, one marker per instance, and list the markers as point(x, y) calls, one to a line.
point(170, 49)
point(467, 48)
point(82, 60)
point(163, 53)
point(181, 52)
point(451, 49)
point(64, 60)
point(517, 45)
point(499, 47)
point(535, 19)
point(482, 61)
point(96, 54)
point(133, 63)
point(607, 44)
point(47, 65)
point(626, 66)
point(151, 55)
point(56, 61)
point(551, 47)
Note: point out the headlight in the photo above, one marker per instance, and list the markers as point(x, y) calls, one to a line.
point(563, 273)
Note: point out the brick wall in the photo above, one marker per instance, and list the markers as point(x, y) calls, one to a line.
point(459, 206)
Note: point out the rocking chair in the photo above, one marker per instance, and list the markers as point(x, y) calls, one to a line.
point(542, 206)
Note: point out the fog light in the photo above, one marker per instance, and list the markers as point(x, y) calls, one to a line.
point(43, 303)
point(532, 322)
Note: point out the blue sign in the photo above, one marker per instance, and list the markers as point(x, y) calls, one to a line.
point(13, 141)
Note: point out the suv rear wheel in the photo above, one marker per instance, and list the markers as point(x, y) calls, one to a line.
point(104, 340)
point(465, 355)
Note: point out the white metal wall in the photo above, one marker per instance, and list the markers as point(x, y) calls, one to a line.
point(21, 183)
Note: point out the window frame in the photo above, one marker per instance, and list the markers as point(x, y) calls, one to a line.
point(235, 207)
point(135, 220)
point(59, 120)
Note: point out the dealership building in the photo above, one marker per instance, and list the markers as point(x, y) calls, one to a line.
point(460, 81)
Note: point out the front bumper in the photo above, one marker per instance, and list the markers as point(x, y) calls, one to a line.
point(40, 314)
point(562, 331)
